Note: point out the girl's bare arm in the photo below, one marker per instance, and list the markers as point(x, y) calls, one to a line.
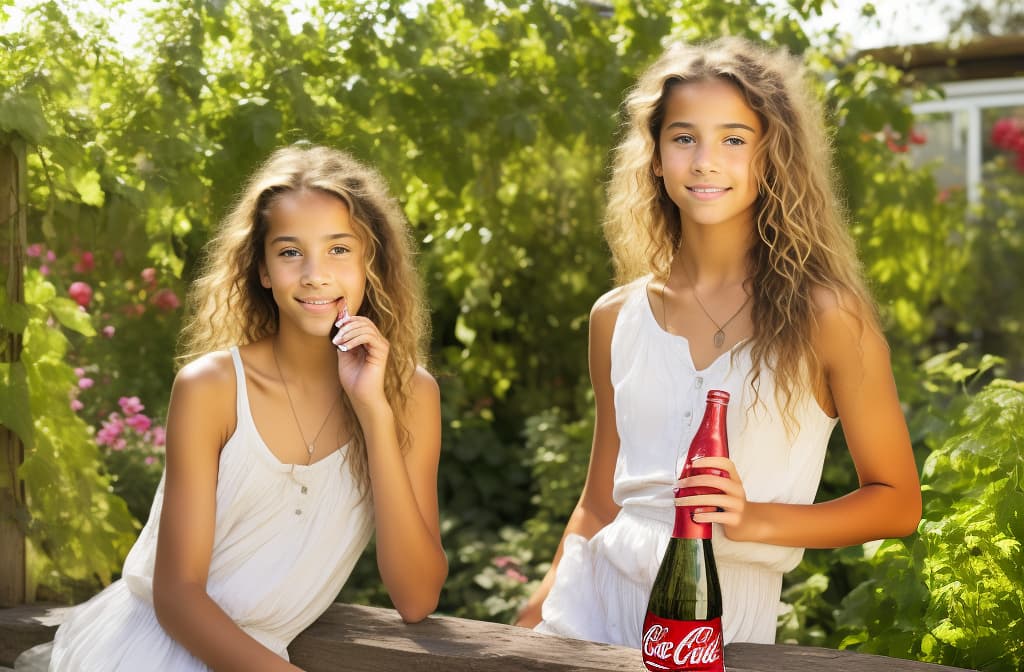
point(198, 425)
point(595, 507)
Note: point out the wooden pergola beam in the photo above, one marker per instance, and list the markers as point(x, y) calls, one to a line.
point(12, 452)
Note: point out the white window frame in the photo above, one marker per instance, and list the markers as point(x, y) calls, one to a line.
point(972, 97)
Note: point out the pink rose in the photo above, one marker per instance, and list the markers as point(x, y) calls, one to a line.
point(86, 262)
point(140, 423)
point(76, 405)
point(130, 405)
point(108, 331)
point(34, 250)
point(110, 432)
point(86, 383)
point(517, 576)
point(149, 275)
point(81, 293)
point(166, 299)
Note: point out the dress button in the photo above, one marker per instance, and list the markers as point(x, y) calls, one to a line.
point(687, 414)
point(304, 490)
point(700, 381)
point(298, 512)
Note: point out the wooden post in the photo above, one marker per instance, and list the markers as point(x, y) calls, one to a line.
point(12, 452)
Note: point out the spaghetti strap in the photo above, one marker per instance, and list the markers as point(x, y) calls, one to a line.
point(241, 393)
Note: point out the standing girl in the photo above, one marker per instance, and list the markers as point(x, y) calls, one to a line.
point(284, 449)
point(738, 274)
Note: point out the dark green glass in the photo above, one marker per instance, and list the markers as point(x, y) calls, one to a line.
point(687, 588)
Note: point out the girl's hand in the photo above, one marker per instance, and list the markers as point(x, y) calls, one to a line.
point(725, 507)
point(362, 359)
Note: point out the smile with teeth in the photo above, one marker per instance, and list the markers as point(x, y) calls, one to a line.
point(706, 190)
point(316, 302)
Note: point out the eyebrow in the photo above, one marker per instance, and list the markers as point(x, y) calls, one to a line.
point(686, 124)
point(295, 239)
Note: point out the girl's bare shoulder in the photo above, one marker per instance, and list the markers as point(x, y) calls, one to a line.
point(210, 376)
point(608, 304)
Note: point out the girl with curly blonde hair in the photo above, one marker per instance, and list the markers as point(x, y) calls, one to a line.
point(287, 444)
point(737, 273)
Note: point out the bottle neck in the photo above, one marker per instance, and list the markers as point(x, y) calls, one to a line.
point(710, 440)
point(685, 528)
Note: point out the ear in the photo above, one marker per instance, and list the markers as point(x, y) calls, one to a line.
point(264, 275)
point(656, 165)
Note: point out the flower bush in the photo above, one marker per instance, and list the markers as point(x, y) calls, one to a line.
point(1008, 134)
point(133, 307)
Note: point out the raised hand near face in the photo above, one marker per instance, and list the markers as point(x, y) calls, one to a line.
point(362, 358)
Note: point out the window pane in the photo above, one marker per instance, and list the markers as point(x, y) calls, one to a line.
point(944, 146)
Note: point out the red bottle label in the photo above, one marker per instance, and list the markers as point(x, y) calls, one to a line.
point(675, 646)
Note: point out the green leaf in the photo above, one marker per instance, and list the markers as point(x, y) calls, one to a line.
point(13, 316)
point(87, 184)
point(21, 113)
point(15, 409)
point(71, 315)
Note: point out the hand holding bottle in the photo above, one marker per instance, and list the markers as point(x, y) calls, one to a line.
point(712, 487)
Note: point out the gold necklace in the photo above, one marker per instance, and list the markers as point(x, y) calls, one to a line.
point(310, 445)
point(719, 337)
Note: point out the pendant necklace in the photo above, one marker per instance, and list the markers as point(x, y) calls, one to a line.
point(719, 337)
point(310, 445)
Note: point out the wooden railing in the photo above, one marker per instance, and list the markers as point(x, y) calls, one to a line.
point(369, 639)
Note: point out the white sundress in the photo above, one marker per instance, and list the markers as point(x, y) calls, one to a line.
point(602, 585)
point(285, 541)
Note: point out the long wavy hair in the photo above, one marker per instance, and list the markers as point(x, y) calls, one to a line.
point(802, 238)
point(228, 305)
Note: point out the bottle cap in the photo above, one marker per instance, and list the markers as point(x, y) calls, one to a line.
point(720, 396)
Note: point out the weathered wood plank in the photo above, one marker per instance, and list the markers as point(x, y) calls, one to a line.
point(365, 639)
point(371, 639)
point(374, 640)
point(779, 657)
point(23, 627)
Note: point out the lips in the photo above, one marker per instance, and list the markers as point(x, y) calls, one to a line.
point(707, 192)
point(316, 301)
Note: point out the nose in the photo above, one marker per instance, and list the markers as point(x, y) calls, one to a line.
point(704, 160)
point(313, 274)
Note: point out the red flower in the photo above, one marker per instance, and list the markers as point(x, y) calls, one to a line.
point(86, 262)
point(81, 293)
point(166, 299)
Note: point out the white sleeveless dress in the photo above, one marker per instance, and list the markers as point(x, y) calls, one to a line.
point(602, 584)
point(285, 541)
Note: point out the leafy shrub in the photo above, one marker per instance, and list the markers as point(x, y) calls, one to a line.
point(954, 593)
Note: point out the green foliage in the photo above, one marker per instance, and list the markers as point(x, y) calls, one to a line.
point(953, 594)
point(560, 450)
point(78, 532)
point(996, 239)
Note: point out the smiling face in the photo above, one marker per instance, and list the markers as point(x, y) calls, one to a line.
point(706, 153)
point(313, 258)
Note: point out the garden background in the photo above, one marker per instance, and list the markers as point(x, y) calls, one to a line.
point(492, 121)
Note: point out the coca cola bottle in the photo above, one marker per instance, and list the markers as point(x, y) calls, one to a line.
point(683, 627)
